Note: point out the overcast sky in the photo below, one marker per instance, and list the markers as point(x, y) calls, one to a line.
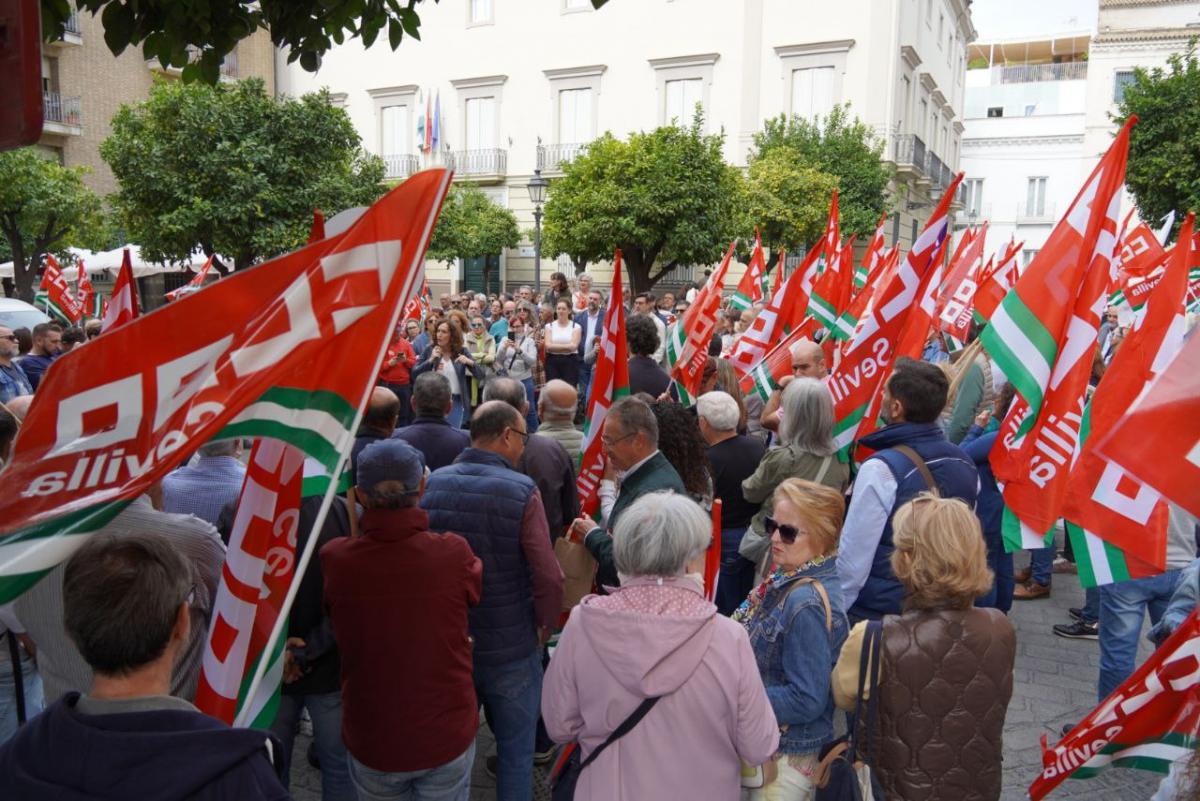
point(1013, 19)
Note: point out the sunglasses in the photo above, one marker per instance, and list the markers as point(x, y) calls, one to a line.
point(787, 534)
point(10, 337)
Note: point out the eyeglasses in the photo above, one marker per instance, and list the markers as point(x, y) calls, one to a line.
point(10, 337)
point(787, 534)
point(608, 443)
point(523, 434)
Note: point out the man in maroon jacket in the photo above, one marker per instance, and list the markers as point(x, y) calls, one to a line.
point(398, 599)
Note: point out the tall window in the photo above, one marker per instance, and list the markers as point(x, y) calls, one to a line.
point(1035, 197)
point(682, 97)
point(1121, 79)
point(1027, 256)
point(575, 123)
point(481, 123)
point(906, 109)
point(812, 92)
point(480, 11)
point(924, 116)
point(394, 139)
point(974, 196)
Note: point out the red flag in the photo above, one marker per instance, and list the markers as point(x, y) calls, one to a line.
point(85, 293)
point(196, 282)
point(828, 291)
point(873, 259)
point(123, 303)
point(957, 295)
point(1140, 252)
point(317, 232)
point(687, 342)
point(749, 289)
point(996, 283)
point(783, 314)
point(712, 556)
point(60, 301)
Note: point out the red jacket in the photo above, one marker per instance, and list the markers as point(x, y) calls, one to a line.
point(399, 372)
point(398, 599)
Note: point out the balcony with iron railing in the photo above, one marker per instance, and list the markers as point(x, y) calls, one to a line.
point(228, 69)
point(934, 169)
point(478, 165)
point(63, 115)
point(400, 165)
point(550, 158)
point(72, 32)
point(1036, 73)
point(909, 154)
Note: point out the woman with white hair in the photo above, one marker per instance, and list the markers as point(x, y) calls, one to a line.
point(656, 637)
point(806, 451)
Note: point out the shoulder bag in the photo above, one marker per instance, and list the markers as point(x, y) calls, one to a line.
point(845, 772)
point(566, 773)
point(922, 468)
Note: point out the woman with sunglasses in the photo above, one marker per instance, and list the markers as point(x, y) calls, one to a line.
point(482, 347)
point(806, 451)
point(797, 626)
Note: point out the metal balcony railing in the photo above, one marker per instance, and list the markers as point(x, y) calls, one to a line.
point(72, 24)
point(62, 110)
point(550, 158)
point(1034, 73)
point(488, 161)
point(934, 169)
point(910, 150)
point(229, 66)
point(399, 165)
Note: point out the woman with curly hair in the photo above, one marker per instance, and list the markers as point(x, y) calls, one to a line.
point(680, 441)
point(448, 357)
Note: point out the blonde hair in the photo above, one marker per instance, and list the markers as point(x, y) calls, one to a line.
point(823, 509)
point(939, 556)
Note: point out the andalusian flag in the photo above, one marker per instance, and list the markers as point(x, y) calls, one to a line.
point(873, 259)
point(610, 383)
point(826, 302)
point(56, 296)
point(113, 418)
point(996, 282)
point(783, 314)
point(1149, 722)
point(687, 341)
point(750, 288)
point(1043, 336)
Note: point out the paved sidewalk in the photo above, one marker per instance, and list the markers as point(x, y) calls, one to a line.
point(1054, 683)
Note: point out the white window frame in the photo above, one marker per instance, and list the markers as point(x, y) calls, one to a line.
point(810, 55)
point(974, 196)
point(1119, 86)
point(475, 23)
point(682, 68)
point(1028, 255)
point(1037, 208)
point(405, 95)
point(574, 78)
point(473, 88)
point(582, 7)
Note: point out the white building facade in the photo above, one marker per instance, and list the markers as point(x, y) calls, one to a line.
point(524, 86)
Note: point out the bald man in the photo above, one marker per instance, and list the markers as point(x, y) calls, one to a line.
point(556, 409)
point(808, 361)
point(378, 422)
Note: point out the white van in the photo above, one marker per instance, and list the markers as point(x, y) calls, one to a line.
point(19, 314)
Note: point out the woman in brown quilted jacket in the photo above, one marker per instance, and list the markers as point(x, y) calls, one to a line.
point(947, 667)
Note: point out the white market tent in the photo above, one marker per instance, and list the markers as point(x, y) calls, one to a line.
point(96, 262)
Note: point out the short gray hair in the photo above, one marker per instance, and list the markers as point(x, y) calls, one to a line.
point(659, 534)
point(635, 415)
point(221, 447)
point(584, 277)
point(807, 416)
point(720, 410)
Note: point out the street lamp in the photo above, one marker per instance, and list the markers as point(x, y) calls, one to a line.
point(537, 194)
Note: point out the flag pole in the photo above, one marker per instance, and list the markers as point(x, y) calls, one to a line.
point(343, 456)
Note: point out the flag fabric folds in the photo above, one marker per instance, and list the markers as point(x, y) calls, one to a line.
point(198, 279)
point(687, 341)
point(996, 282)
point(956, 298)
point(114, 417)
point(56, 295)
point(123, 303)
point(749, 289)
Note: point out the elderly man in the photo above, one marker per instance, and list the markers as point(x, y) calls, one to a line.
point(206, 486)
point(500, 512)
point(127, 606)
point(808, 361)
point(630, 439)
point(378, 422)
point(13, 381)
point(499, 327)
point(733, 458)
point(47, 344)
point(430, 432)
point(556, 409)
point(409, 724)
point(91, 329)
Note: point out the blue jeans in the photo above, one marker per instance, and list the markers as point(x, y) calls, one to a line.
point(449, 782)
point(1091, 604)
point(736, 577)
point(1000, 596)
point(35, 701)
point(1041, 565)
point(531, 418)
point(512, 696)
point(326, 712)
point(1123, 607)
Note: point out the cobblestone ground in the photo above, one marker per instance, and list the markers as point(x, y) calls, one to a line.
point(1054, 683)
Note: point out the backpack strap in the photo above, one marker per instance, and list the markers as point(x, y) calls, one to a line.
point(824, 469)
point(820, 591)
point(922, 468)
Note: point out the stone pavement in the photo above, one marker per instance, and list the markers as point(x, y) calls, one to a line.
point(1054, 683)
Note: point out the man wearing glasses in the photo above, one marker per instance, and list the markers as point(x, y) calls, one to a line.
point(500, 513)
point(13, 381)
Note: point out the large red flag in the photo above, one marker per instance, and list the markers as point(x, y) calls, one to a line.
point(61, 303)
point(957, 295)
point(687, 341)
point(997, 281)
point(195, 284)
point(123, 303)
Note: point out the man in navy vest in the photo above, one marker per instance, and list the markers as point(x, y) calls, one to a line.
point(499, 512)
point(913, 400)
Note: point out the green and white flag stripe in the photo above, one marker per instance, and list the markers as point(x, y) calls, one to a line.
point(764, 382)
point(259, 712)
point(845, 430)
point(1024, 350)
point(844, 329)
point(1153, 755)
point(42, 298)
point(1099, 562)
point(315, 421)
point(824, 312)
point(740, 301)
point(1019, 537)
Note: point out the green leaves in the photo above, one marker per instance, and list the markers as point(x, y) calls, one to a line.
point(472, 225)
point(786, 200)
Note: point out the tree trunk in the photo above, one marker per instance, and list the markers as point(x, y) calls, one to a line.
point(771, 262)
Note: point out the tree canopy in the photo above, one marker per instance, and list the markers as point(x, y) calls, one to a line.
point(229, 170)
point(307, 29)
point(1163, 172)
point(786, 200)
point(44, 208)
point(665, 198)
point(843, 147)
point(471, 225)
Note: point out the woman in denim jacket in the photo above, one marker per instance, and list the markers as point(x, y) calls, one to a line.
point(797, 625)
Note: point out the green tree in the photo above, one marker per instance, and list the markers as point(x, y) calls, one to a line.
point(305, 29)
point(1164, 146)
point(664, 198)
point(472, 225)
point(843, 147)
point(787, 201)
point(44, 208)
point(232, 171)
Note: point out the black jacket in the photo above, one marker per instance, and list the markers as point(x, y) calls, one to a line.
point(645, 375)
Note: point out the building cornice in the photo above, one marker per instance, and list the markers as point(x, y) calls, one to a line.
point(1143, 36)
point(814, 48)
point(1023, 141)
point(958, 126)
point(477, 83)
point(909, 54)
point(389, 91)
point(698, 60)
point(937, 97)
point(927, 81)
point(589, 71)
point(948, 111)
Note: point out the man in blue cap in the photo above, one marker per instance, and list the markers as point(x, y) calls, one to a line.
point(399, 590)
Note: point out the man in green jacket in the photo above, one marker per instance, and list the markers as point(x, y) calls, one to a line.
point(630, 440)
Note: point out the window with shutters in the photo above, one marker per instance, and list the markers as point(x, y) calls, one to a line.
point(683, 96)
point(480, 123)
point(575, 120)
point(1035, 197)
point(974, 196)
point(812, 92)
point(479, 12)
point(394, 137)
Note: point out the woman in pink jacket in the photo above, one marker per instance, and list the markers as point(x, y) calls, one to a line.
point(656, 635)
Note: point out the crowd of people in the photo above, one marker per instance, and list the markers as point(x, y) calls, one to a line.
point(439, 588)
